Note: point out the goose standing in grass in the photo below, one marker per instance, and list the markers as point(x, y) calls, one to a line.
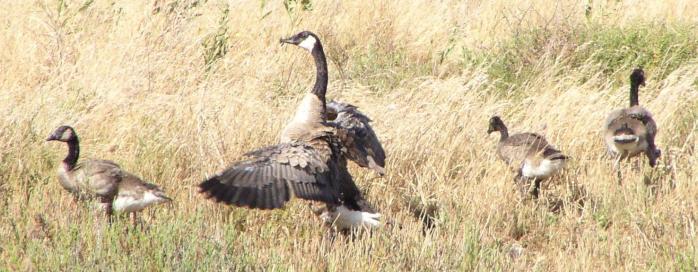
point(631, 131)
point(311, 160)
point(528, 154)
point(114, 188)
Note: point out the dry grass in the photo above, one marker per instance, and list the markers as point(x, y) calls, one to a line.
point(138, 89)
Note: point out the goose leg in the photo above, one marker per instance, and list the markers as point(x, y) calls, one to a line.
point(110, 214)
point(76, 206)
point(652, 155)
point(330, 236)
point(106, 206)
point(637, 165)
point(652, 151)
point(534, 188)
point(523, 186)
point(134, 220)
point(519, 183)
point(616, 168)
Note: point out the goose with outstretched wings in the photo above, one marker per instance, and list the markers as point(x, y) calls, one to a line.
point(311, 161)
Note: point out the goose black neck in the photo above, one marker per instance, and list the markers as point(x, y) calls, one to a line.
point(503, 133)
point(321, 75)
point(73, 153)
point(634, 89)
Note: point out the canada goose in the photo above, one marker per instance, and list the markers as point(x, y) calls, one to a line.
point(116, 189)
point(352, 126)
point(309, 163)
point(631, 131)
point(528, 154)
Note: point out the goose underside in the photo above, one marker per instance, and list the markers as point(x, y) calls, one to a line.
point(625, 139)
point(625, 135)
point(626, 145)
point(133, 203)
point(543, 169)
point(345, 218)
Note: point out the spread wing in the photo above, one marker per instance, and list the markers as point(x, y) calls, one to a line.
point(272, 176)
point(357, 136)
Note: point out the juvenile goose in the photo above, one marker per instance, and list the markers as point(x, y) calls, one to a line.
point(115, 189)
point(309, 163)
point(631, 131)
point(528, 154)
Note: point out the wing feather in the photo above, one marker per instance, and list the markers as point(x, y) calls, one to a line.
point(268, 199)
point(245, 196)
point(265, 180)
point(98, 177)
point(260, 198)
point(357, 136)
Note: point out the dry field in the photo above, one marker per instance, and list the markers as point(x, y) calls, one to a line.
point(178, 89)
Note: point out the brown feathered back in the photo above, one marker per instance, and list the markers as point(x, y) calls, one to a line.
point(91, 178)
point(526, 146)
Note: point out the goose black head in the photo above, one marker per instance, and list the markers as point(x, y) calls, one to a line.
point(496, 124)
point(63, 134)
point(304, 39)
point(637, 78)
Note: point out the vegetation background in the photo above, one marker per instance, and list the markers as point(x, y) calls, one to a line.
point(175, 90)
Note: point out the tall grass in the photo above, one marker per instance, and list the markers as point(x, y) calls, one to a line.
point(175, 90)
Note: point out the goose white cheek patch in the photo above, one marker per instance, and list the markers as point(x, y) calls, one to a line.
point(308, 43)
point(66, 135)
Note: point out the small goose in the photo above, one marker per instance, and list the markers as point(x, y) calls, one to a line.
point(310, 162)
point(528, 154)
point(631, 131)
point(115, 189)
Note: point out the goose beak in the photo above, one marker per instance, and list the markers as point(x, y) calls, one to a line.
point(51, 138)
point(291, 40)
point(490, 130)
